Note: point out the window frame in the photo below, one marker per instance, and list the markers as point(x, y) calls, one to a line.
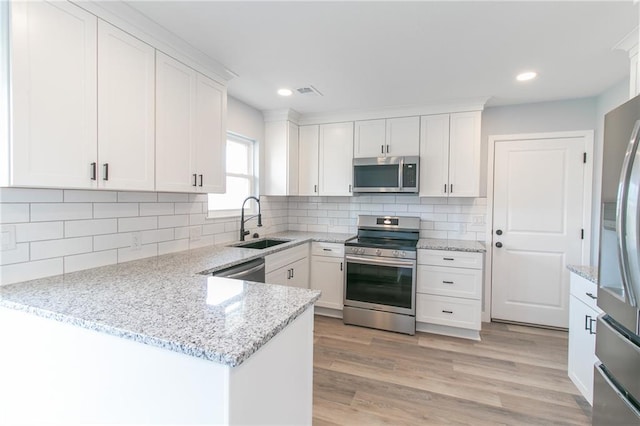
point(253, 160)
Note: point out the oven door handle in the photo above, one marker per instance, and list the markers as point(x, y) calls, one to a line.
point(380, 261)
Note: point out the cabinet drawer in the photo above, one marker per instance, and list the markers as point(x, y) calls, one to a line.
point(585, 291)
point(457, 259)
point(450, 311)
point(285, 257)
point(457, 282)
point(327, 249)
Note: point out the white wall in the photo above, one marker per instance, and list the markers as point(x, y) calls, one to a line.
point(244, 119)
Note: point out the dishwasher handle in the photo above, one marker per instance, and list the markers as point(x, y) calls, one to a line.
point(241, 270)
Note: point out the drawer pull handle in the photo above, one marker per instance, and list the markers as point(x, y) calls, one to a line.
point(447, 282)
point(448, 258)
point(447, 312)
point(591, 321)
point(591, 296)
point(326, 249)
point(587, 319)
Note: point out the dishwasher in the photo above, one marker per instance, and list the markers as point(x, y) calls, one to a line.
point(247, 271)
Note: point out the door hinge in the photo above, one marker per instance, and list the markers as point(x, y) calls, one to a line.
point(582, 234)
point(584, 157)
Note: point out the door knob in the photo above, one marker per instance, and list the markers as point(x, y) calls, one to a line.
point(498, 244)
point(499, 232)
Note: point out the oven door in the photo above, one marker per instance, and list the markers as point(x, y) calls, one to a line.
point(382, 284)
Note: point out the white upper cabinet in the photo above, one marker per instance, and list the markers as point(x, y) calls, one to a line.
point(190, 129)
point(370, 138)
point(54, 100)
point(281, 158)
point(336, 159)
point(387, 137)
point(308, 160)
point(450, 155)
point(210, 135)
point(126, 111)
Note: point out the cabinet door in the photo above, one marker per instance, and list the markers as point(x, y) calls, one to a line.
point(299, 273)
point(434, 156)
point(210, 135)
point(292, 158)
point(464, 154)
point(582, 345)
point(336, 159)
point(126, 110)
point(403, 136)
point(370, 138)
point(279, 276)
point(308, 160)
point(175, 115)
point(281, 158)
point(327, 275)
point(54, 111)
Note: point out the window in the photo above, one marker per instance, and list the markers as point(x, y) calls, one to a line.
point(241, 178)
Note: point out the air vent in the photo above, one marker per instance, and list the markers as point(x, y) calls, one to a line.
point(309, 91)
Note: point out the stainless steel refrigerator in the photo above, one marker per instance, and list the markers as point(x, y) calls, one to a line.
point(616, 393)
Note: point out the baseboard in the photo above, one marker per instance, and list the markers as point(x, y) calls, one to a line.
point(328, 312)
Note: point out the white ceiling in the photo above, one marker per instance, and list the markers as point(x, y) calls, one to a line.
point(371, 55)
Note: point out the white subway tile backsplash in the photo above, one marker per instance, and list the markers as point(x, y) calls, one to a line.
point(156, 209)
point(81, 228)
point(78, 196)
point(213, 228)
point(17, 255)
point(173, 221)
point(181, 232)
point(112, 241)
point(17, 272)
point(42, 212)
point(146, 250)
point(203, 241)
point(202, 198)
point(225, 238)
point(128, 224)
point(23, 195)
point(156, 236)
point(14, 213)
point(172, 197)
point(84, 261)
point(142, 197)
point(189, 208)
point(197, 219)
point(173, 246)
point(108, 210)
point(26, 232)
point(59, 248)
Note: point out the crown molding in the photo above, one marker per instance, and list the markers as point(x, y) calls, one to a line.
point(629, 43)
point(476, 104)
point(138, 25)
point(282, 115)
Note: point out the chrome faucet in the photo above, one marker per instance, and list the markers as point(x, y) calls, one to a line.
point(243, 220)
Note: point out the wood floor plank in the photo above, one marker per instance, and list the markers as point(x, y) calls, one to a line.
point(514, 376)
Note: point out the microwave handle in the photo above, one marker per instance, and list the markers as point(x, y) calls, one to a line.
point(400, 173)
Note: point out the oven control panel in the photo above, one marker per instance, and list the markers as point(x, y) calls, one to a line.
point(370, 251)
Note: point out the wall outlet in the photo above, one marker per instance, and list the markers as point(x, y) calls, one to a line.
point(195, 233)
point(7, 237)
point(478, 220)
point(136, 241)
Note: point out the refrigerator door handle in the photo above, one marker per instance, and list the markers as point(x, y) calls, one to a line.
point(626, 218)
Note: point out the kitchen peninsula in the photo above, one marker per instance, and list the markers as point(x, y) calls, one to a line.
point(154, 341)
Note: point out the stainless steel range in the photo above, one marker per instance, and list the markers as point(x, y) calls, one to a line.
point(380, 274)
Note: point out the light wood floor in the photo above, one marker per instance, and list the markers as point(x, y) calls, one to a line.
point(515, 376)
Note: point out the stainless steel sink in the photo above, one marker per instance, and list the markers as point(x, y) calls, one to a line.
point(260, 244)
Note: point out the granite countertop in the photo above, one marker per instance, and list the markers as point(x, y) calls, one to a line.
point(588, 272)
point(165, 301)
point(454, 245)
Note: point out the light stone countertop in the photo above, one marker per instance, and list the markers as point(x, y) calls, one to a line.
point(164, 301)
point(588, 272)
point(453, 245)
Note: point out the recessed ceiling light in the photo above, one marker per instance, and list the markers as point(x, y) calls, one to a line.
point(525, 76)
point(285, 92)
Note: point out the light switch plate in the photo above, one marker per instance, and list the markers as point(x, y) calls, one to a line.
point(7, 237)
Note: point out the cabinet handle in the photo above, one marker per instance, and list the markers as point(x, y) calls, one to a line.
point(326, 249)
point(105, 167)
point(445, 188)
point(195, 180)
point(448, 258)
point(288, 274)
point(451, 189)
point(349, 187)
point(381, 149)
point(292, 271)
point(591, 296)
point(315, 188)
point(586, 322)
point(591, 321)
point(94, 171)
point(447, 312)
point(201, 180)
point(387, 149)
point(447, 282)
point(341, 266)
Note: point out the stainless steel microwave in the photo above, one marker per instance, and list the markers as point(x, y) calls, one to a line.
point(386, 174)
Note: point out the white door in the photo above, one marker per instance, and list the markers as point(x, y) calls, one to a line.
point(336, 159)
point(403, 136)
point(370, 138)
point(434, 155)
point(308, 160)
point(537, 227)
point(175, 115)
point(126, 110)
point(53, 71)
point(210, 135)
point(464, 154)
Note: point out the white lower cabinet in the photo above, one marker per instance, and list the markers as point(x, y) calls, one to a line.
point(327, 274)
point(448, 292)
point(289, 267)
point(583, 312)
